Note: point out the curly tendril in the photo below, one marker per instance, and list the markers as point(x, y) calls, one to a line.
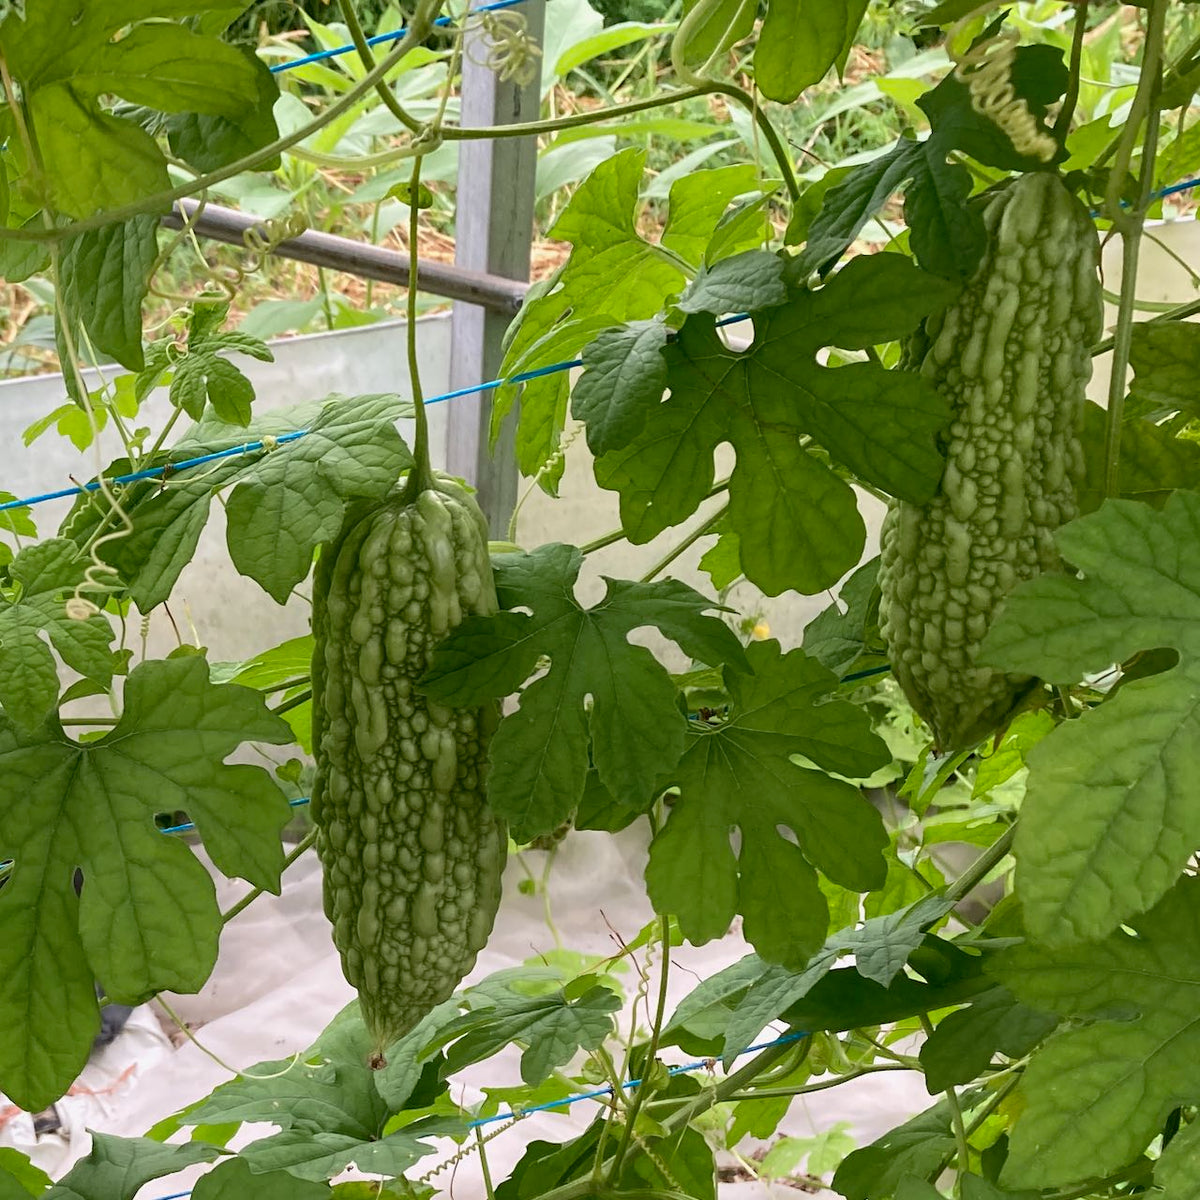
point(986, 69)
point(511, 53)
point(260, 241)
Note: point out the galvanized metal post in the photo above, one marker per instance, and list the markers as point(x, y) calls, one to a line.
point(493, 234)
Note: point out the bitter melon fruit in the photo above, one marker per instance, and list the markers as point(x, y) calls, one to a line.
point(1012, 356)
point(411, 853)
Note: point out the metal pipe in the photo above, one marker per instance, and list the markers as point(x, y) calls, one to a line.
point(357, 258)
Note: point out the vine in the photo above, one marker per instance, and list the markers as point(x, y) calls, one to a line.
point(1073, 792)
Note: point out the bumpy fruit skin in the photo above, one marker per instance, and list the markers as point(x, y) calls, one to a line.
point(412, 854)
point(1012, 356)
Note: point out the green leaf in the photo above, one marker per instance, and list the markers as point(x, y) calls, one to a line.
point(202, 378)
point(751, 280)
point(403, 192)
point(19, 1177)
point(723, 560)
point(540, 752)
point(839, 638)
point(964, 1043)
point(1165, 356)
point(881, 947)
point(842, 1000)
point(946, 234)
point(722, 26)
point(147, 919)
point(103, 278)
point(285, 501)
point(552, 1029)
point(1154, 462)
point(44, 576)
point(67, 59)
point(280, 664)
point(117, 1167)
point(1098, 1091)
point(741, 774)
point(625, 374)
point(209, 142)
point(544, 1165)
point(1109, 818)
point(1177, 1175)
point(697, 203)
point(975, 1187)
point(999, 763)
point(612, 271)
point(233, 1180)
point(612, 37)
point(914, 1148)
point(678, 1167)
point(798, 523)
point(800, 40)
point(326, 1106)
point(373, 1189)
point(910, 1187)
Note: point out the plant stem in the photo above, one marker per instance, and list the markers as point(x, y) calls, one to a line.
point(489, 1189)
point(982, 866)
point(737, 94)
point(1145, 104)
point(617, 535)
point(1062, 126)
point(1178, 313)
point(295, 702)
point(420, 478)
point(772, 1093)
point(287, 685)
point(639, 1093)
point(364, 52)
point(249, 898)
point(693, 537)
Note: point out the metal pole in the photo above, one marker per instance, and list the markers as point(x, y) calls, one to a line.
point(493, 235)
point(494, 293)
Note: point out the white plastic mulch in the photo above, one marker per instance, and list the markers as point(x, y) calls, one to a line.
point(278, 983)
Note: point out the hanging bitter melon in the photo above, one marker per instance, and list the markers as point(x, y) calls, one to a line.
point(1012, 355)
point(412, 855)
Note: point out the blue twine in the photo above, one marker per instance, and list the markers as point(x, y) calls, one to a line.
point(566, 1101)
point(486, 386)
point(191, 824)
point(380, 38)
point(252, 447)
point(517, 1114)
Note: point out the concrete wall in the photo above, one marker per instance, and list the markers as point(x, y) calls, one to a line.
point(213, 604)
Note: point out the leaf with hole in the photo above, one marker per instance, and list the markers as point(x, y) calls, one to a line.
point(1097, 1092)
point(740, 774)
point(599, 687)
point(147, 918)
point(797, 521)
point(33, 609)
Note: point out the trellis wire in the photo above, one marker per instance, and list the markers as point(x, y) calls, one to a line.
point(282, 439)
point(699, 1064)
point(381, 38)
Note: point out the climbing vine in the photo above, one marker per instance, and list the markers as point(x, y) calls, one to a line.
point(1051, 1014)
